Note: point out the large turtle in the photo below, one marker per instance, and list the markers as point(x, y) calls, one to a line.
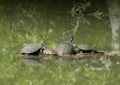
point(32, 49)
point(65, 48)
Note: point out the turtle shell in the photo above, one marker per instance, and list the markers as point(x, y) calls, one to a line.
point(85, 47)
point(31, 48)
point(64, 48)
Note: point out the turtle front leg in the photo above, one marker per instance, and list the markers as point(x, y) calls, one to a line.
point(25, 55)
point(41, 51)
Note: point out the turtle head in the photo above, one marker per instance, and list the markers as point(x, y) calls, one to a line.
point(93, 46)
point(71, 38)
point(41, 42)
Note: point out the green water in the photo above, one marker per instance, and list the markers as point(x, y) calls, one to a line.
point(18, 29)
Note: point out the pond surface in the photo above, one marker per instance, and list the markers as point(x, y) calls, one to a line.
point(90, 71)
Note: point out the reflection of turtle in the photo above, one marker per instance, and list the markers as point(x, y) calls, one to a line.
point(32, 49)
point(32, 62)
point(65, 48)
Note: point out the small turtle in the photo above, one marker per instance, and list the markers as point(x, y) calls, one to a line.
point(85, 48)
point(32, 49)
point(65, 48)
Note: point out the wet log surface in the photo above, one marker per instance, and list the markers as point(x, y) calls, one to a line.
point(74, 57)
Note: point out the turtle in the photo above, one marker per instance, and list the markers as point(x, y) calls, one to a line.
point(87, 49)
point(32, 49)
point(83, 48)
point(65, 48)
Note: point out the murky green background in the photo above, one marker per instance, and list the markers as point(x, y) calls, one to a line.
point(32, 21)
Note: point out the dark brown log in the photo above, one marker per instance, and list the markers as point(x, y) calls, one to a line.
point(76, 57)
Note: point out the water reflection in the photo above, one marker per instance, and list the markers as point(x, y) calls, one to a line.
point(32, 62)
point(64, 62)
